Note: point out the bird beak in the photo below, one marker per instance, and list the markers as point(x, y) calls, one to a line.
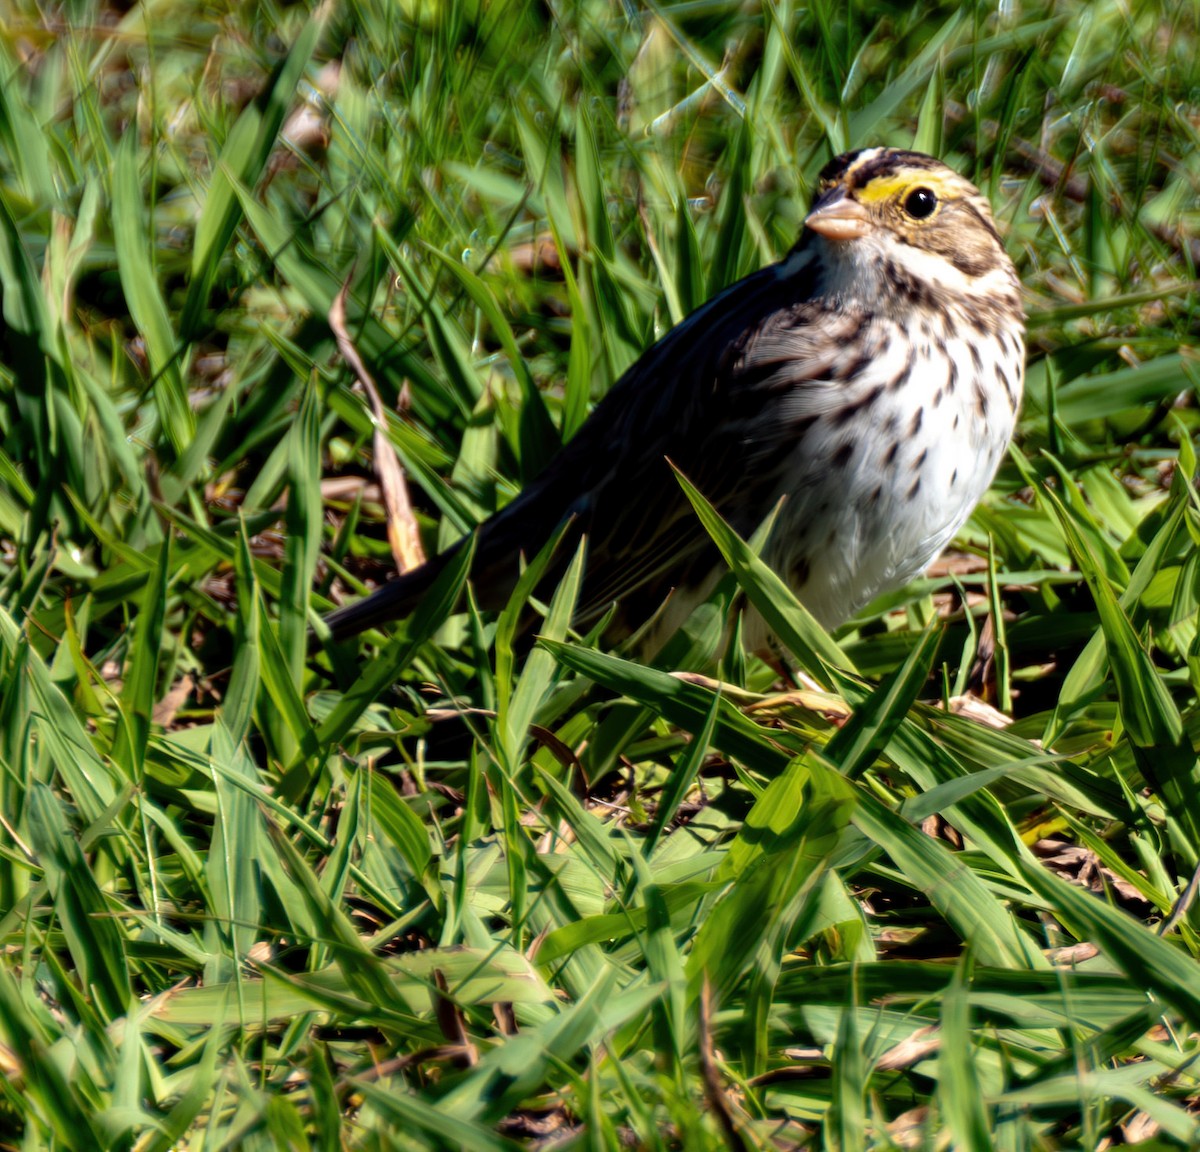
point(836, 217)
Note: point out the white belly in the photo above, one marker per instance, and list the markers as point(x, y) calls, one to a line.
point(862, 520)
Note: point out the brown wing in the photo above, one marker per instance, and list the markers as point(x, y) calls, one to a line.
point(706, 398)
point(715, 396)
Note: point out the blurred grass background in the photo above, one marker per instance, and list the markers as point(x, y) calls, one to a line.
point(433, 892)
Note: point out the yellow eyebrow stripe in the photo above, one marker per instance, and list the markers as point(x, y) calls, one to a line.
point(889, 187)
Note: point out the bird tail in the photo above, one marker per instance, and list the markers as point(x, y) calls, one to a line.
point(522, 527)
point(393, 601)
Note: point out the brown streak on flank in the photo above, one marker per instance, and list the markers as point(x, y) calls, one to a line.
point(800, 571)
point(890, 457)
point(1008, 387)
point(851, 368)
point(860, 322)
point(916, 487)
point(952, 382)
point(902, 376)
point(915, 426)
point(842, 456)
point(1004, 379)
point(981, 400)
point(846, 414)
point(981, 322)
point(916, 465)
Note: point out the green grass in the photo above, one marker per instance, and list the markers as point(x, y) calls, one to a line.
point(254, 896)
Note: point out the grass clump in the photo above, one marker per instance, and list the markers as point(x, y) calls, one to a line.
point(440, 892)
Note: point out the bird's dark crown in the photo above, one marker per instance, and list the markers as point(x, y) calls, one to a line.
point(880, 163)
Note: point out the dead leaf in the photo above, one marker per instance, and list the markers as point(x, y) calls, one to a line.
point(924, 1042)
point(1139, 1127)
point(403, 534)
point(908, 1129)
point(980, 711)
point(165, 710)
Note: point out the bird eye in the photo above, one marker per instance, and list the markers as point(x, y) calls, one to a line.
point(920, 203)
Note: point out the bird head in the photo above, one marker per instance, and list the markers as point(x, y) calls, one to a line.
point(892, 223)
